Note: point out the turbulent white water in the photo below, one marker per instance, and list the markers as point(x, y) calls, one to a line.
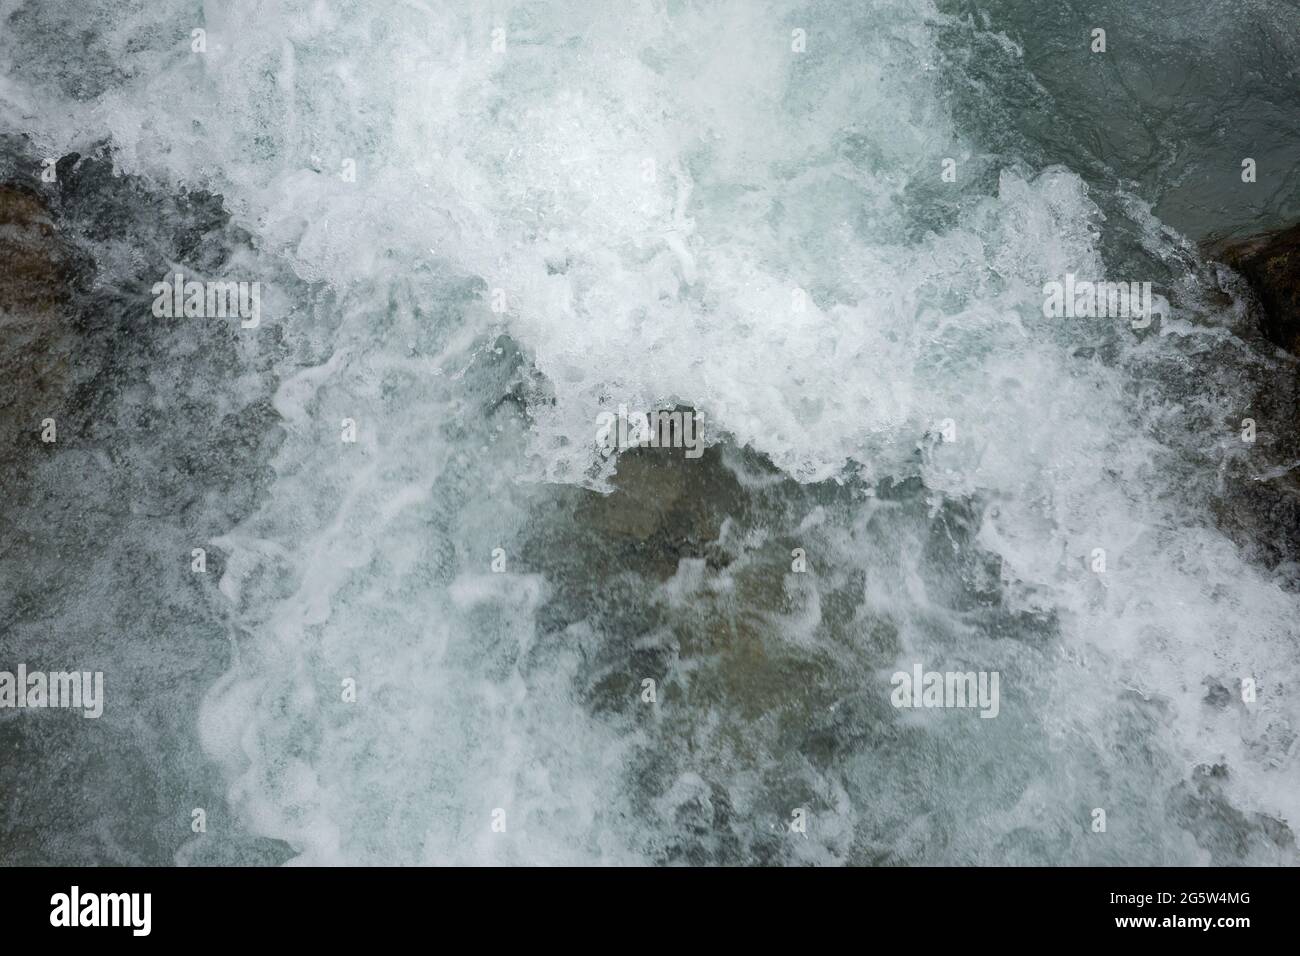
point(655, 187)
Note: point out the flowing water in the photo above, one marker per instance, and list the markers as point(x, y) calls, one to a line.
point(478, 226)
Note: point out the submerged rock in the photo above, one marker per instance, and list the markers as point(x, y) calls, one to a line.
point(164, 430)
point(1271, 264)
point(36, 284)
point(37, 261)
point(1259, 508)
point(1201, 806)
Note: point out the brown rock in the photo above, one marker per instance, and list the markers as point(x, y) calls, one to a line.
point(36, 282)
point(1271, 264)
point(37, 266)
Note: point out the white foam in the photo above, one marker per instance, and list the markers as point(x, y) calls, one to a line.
point(773, 172)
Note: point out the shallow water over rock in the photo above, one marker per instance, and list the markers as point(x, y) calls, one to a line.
point(429, 601)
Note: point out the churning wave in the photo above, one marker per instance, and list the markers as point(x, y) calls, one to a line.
point(480, 226)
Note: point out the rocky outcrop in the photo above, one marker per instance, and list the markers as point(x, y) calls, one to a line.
point(164, 433)
point(1260, 507)
point(1271, 264)
point(36, 284)
point(37, 262)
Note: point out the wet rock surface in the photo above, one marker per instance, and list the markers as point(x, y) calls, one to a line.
point(1260, 506)
point(685, 571)
point(1271, 265)
point(40, 275)
point(1228, 835)
point(38, 261)
point(155, 452)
